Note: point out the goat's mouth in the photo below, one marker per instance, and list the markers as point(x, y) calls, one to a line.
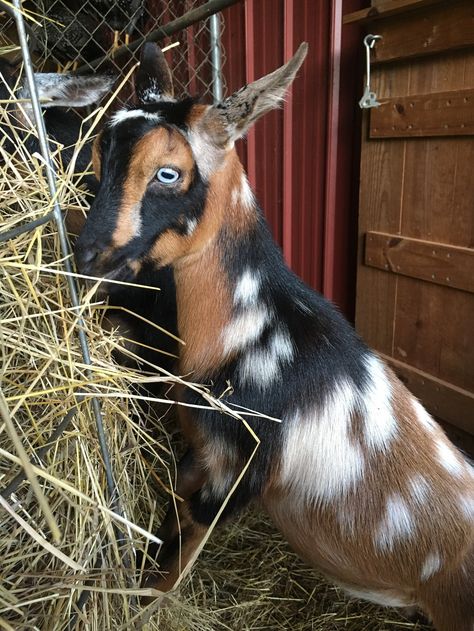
point(125, 271)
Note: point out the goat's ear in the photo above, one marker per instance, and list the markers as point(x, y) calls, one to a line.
point(153, 82)
point(67, 90)
point(231, 119)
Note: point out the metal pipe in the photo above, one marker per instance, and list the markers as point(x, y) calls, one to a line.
point(191, 17)
point(216, 57)
point(65, 249)
point(26, 227)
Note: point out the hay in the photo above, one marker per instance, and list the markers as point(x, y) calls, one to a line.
point(58, 530)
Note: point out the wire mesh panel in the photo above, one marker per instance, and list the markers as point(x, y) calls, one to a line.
point(69, 34)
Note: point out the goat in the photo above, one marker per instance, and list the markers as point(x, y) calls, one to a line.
point(58, 92)
point(359, 478)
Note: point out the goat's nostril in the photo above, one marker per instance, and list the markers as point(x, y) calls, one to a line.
point(85, 257)
point(90, 255)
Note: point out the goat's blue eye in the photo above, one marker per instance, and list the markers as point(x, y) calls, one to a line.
point(167, 175)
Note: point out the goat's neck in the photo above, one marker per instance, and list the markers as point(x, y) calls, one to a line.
point(204, 286)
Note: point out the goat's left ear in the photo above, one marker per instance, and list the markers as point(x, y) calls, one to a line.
point(231, 119)
point(67, 90)
point(153, 81)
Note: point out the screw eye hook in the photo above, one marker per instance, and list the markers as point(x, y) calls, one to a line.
point(369, 98)
point(369, 40)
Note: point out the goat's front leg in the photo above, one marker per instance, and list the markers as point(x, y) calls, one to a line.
point(180, 532)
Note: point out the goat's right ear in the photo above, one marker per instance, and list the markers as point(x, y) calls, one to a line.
point(153, 81)
point(227, 121)
point(68, 90)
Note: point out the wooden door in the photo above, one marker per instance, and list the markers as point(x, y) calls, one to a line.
point(415, 288)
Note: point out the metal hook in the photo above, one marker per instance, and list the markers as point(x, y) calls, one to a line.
point(369, 98)
point(369, 40)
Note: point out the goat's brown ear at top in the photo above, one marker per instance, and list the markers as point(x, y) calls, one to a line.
point(231, 119)
point(153, 81)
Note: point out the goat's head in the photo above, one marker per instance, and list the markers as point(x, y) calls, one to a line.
point(161, 163)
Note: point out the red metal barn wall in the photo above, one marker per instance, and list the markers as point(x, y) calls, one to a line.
point(302, 160)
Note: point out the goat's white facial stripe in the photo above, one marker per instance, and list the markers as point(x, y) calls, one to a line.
point(136, 220)
point(245, 328)
point(247, 288)
point(261, 366)
point(380, 425)
point(448, 458)
point(122, 115)
point(431, 565)
point(397, 524)
point(320, 461)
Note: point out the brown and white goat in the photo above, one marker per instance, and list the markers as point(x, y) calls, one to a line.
point(358, 477)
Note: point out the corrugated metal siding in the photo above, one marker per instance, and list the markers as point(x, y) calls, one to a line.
point(286, 154)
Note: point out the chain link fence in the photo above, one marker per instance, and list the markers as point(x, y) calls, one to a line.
point(70, 35)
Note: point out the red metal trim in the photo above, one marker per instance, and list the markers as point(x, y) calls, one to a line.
point(287, 211)
point(332, 148)
point(250, 76)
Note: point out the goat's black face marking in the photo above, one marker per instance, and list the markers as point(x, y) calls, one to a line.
point(133, 208)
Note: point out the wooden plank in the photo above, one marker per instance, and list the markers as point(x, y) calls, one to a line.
point(433, 330)
point(434, 262)
point(439, 188)
point(432, 30)
point(440, 398)
point(440, 114)
point(386, 8)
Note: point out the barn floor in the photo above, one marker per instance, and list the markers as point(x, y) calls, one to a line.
point(247, 578)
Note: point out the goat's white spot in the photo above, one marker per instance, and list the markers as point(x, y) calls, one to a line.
point(247, 197)
point(398, 523)
point(191, 225)
point(448, 458)
point(320, 461)
point(466, 504)
point(208, 157)
point(302, 306)
point(431, 565)
point(245, 328)
point(235, 196)
point(385, 598)
point(220, 460)
point(261, 366)
point(423, 417)
point(154, 93)
point(420, 489)
point(243, 194)
point(247, 288)
point(122, 115)
point(380, 425)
